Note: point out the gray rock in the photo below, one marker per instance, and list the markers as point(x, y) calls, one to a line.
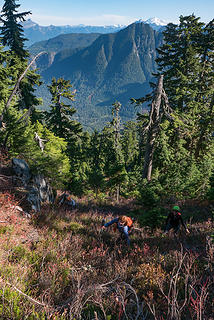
point(40, 192)
point(21, 170)
point(33, 198)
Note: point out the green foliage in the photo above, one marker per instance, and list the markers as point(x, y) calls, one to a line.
point(153, 218)
point(53, 162)
point(130, 145)
point(183, 145)
point(150, 193)
point(59, 117)
point(18, 253)
point(210, 192)
point(188, 82)
point(5, 229)
point(10, 304)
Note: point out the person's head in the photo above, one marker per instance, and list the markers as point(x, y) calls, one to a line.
point(122, 219)
point(176, 208)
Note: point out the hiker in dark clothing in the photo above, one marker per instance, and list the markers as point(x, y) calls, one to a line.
point(123, 224)
point(174, 220)
point(67, 199)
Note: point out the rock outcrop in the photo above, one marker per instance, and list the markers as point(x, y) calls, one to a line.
point(38, 188)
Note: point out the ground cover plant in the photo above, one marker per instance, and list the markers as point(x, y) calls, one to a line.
point(59, 265)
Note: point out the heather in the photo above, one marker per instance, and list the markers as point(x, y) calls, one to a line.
point(60, 265)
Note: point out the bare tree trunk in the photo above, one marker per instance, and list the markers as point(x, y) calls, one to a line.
point(153, 129)
point(17, 85)
point(11, 97)
point(118, 194)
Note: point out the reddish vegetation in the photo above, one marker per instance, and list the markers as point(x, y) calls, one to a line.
point(59, 265)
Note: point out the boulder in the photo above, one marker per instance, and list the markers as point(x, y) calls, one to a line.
point(21, 170)
point(39, 191)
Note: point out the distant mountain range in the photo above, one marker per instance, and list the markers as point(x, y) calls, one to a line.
point(34, 32)
point(114, 67)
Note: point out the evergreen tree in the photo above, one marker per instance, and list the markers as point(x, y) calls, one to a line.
point(59, 116)
point(114, 166)
point(186, 61)
point(12, 86)
point(12, 36)
point(96, 177)
point(12, 30)
point(130, 140)
point(185, 146)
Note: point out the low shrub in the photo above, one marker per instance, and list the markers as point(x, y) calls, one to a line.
point(153, 218)
point(150, 193)
point(18, 254)
point(149, 276)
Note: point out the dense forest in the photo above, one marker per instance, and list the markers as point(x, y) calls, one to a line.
point(164, 157)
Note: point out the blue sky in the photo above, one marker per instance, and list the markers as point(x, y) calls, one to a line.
point(106, 12)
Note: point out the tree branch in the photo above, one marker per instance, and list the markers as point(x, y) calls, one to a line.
point(17, 84)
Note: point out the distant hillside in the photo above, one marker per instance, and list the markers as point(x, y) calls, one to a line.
point(115, 66)
point(35, 33)
point(64, 43)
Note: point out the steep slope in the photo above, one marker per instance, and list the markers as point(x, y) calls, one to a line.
point(115, 66)
point(64, 42)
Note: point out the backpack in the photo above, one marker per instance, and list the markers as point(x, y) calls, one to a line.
point(127, 221)
point(69, 198)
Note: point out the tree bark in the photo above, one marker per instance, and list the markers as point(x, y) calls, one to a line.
point(153, 130)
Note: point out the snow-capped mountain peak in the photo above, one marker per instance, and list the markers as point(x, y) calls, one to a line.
point(154, 22)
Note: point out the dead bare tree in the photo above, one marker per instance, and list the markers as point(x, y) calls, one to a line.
point(159, 107)
point(40, 141)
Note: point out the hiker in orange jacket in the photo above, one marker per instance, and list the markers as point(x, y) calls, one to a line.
point(123, 224)
point(174, 221)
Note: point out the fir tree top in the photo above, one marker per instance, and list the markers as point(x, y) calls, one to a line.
point(12, 31)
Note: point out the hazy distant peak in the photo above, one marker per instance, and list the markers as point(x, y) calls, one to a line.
point(29, 24)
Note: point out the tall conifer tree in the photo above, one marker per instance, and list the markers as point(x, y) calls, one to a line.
point(59, 116)
point(12, 30)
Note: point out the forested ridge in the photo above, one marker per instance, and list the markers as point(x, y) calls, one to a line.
point(114, 67)
point(57, 264)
